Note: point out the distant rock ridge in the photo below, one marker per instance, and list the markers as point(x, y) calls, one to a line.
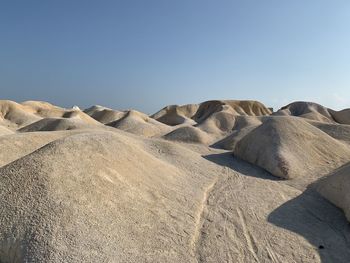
point(190, 113)
point(314, 111)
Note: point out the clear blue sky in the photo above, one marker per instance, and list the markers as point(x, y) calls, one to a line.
point(146, 54)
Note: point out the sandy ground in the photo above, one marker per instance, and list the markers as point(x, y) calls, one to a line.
point(94, 193)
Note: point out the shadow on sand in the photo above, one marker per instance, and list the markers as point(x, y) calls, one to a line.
point(309, 214)
point(229, 160)
point(318, 221)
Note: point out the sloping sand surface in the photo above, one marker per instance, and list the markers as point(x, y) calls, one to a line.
point(243, 126)
point(14, 146)
point(340, 132)
point(15, 115)
point(252, 217)
point(47, 110)
point(342, 117)
point(289, 147)
point(175, 115)
point(219, 122)
point(335, 188)
point(212, 121)
point(188, 134)
point(314, 111)
point(139, 123)
point(56, 124)
point(103, 114)
point(100, 203)
point(219, 181)
point(5, 131)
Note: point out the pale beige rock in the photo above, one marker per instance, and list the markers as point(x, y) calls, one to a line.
point(17, 145)
point(96, 197)
point(140, 124)
point(314, 111)
point(340, 132)
point(58, 124)
point(47, 110)
point(198, 113)
point(15, 115)
point(94, 193)
point(336, 188)
point(188, 134)
point(175, 115)
point(5, 131)
point(289, 147)
point(243, 126)
point(342, 117)
point(103, 114)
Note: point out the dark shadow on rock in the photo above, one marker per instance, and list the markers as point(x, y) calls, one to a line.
point(227, 159)
point(319, 222)
point(309, 215)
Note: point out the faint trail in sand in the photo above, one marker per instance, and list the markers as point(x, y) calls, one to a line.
point(200, 215)
point(249, 238)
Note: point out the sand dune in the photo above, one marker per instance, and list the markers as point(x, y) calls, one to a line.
point(57, 124)
point(14, 146)
point(188, 134)
point(237, 107)
point(175, 115)
point(243, 126)
point(139, 123)
point(103, 114)
point(218, 122)
point(212, 121)
point(197, 113)
point(289, 147)
point(340, 132)
point(335, 188)
point(342, 117)
point(15, 115)
point(47, 110)
point(315, 112)
point(99, 196)
point(193, 183)
point(43, 109)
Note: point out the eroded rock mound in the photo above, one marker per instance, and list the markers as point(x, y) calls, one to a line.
point(86, 192)
point(15, 115)
point(188, 134)
point(198, 113)
point(175, 115)
point(57, 124)
point(139, 123)
point(342, 117)
point(103, 114)
point(335, 188)
point(17, 145)
point(235, 107)
point(314, 111)
point(243, 126)
point(289, 147)
point(340, 132)
point(47, 110)
point(98, 197)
